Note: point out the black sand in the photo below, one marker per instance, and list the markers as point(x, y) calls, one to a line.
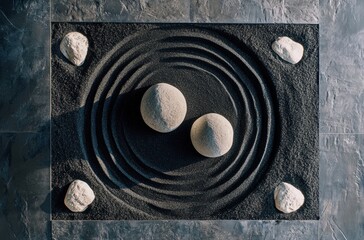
point(148, 175)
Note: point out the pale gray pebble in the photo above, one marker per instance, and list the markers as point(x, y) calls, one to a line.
point(288, 198)
point(163, 107)
point(79, 196)
point(212, 135)
point(74, 47)
point(288, 49)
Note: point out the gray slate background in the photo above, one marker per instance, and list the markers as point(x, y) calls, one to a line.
point(25, 113)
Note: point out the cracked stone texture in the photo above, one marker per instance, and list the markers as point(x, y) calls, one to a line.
point(24, 66)
point(121, 10)
point(341, 66)
point(24, 186)
point(255, 11)
point(342, 186)
point(165, 230)
point(24, 85)
point(242, 11)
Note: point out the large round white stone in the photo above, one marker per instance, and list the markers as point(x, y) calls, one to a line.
point(288, 49)
point(288, 198)
point(163, 107)
point(74, 47)
point(79, 196)
point(212, 135)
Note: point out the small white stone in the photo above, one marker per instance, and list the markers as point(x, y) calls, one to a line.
point(74, 47)
point(288, 49)
point(288, 198)
point(79, 196)
point(212, 135)
point(163, 107)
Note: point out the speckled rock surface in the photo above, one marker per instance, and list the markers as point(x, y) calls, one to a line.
point(79, 196)
point(74, 47)
point(212, 135)
point(287, 49)
point(288, 198)
point(163, 107)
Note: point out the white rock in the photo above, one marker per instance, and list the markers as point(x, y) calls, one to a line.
point(212, 135)
point(288, 198)
point(163, 107)
point(79, 196)
point(74, 47)
point(288, 49)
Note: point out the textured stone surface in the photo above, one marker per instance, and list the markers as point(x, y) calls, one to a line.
point(24, 65)
point(163, 107)
point(342, 186)
point(165, 230)
point(121, 10)
point(239, 11)
point(79, 196)
point(212, 135)
point(255, 11)
point(74, 47)
point(24, 186)
point(288, 49)
point(288, 198)
point(341, 66)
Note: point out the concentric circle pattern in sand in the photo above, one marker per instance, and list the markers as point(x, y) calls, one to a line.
point(160, 174)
